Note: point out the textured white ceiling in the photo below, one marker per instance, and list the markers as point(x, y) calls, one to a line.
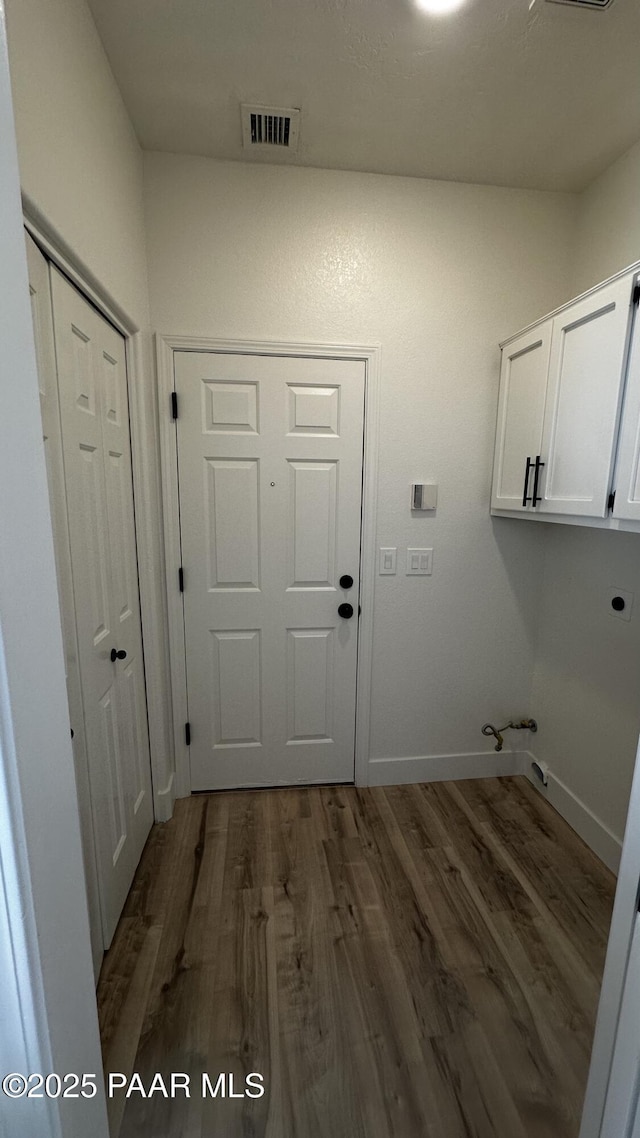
point(495, 93)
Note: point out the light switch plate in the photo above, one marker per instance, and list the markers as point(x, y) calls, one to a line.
point(388, 560)
point(624, 613)
point(419, 562)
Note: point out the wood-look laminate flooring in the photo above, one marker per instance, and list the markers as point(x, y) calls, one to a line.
point(399, 962)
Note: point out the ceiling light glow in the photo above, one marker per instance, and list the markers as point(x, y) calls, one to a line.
point(439, 7)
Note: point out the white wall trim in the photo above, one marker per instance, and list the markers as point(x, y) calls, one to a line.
point(156, 678)
point(604, 843)
point(441, 768)
point(166, 345)
point(164, 800)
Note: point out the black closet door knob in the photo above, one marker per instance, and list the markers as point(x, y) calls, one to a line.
point(346, 581)
point(345, 611)
point(115, 655)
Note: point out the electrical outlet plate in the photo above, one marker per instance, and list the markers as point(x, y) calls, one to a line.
point(419, 562)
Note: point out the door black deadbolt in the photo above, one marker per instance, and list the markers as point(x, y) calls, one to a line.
point(346, 582)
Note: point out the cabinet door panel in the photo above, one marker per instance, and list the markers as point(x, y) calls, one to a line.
point(523, 381)
point(627, 479)
point(588, 345)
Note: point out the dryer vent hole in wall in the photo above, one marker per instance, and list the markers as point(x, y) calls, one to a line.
point(541, 771)
point(522, 725)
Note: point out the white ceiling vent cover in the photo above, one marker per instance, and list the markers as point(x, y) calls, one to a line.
point(269, 127)
point(583, 3)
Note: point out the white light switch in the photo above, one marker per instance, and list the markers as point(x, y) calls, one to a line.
point(419, 562)
point(388, 560)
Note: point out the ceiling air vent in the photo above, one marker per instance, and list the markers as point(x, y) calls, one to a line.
point(268, 127)
point(583, 3)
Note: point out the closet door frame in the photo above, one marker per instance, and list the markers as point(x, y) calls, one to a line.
point(142, 426)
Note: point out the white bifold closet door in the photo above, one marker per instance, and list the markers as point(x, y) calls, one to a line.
point(106, 648)
point(42, 316)
point(270, 470)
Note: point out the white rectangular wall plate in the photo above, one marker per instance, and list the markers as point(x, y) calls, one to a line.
point(388, 559)
point(424, 496)
point(419, 562)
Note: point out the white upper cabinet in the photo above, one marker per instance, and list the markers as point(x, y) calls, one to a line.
point(586, 374)
point(561, 389)
point(523, 384)
point(627, 476)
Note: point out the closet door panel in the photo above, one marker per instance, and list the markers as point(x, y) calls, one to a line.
point(123, 572)
point(97, 460)
point(42, 315)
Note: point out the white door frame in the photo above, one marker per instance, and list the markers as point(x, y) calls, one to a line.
point(370, 356)
point(144, 490)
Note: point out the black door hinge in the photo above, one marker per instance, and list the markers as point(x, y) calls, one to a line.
point(174, 404)
point(181, 579)
point(636, 293)
point(187, 734)
point(611, 500)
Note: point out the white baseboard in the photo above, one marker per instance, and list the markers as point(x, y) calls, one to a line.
point(164, 801)
point(493, 764)
point(440, 768)
point(591, 829)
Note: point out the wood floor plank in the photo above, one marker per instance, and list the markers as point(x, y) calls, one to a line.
point(398, 962)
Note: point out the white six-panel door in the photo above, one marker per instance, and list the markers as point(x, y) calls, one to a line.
point(92, 387)
point(270, 474)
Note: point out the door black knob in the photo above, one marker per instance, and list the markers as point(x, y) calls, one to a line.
point(346, 581)
point(115, 655)
point(345, 611)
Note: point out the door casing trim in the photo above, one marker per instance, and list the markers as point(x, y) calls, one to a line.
point(370, 354)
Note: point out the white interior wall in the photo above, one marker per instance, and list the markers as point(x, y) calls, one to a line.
point(437, 273)
point(81, 169)
point(607, 235)
point(586, 691)
point(47, 1011)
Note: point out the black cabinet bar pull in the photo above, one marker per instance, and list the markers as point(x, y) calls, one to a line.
point(536, 497)
point(527, 472)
